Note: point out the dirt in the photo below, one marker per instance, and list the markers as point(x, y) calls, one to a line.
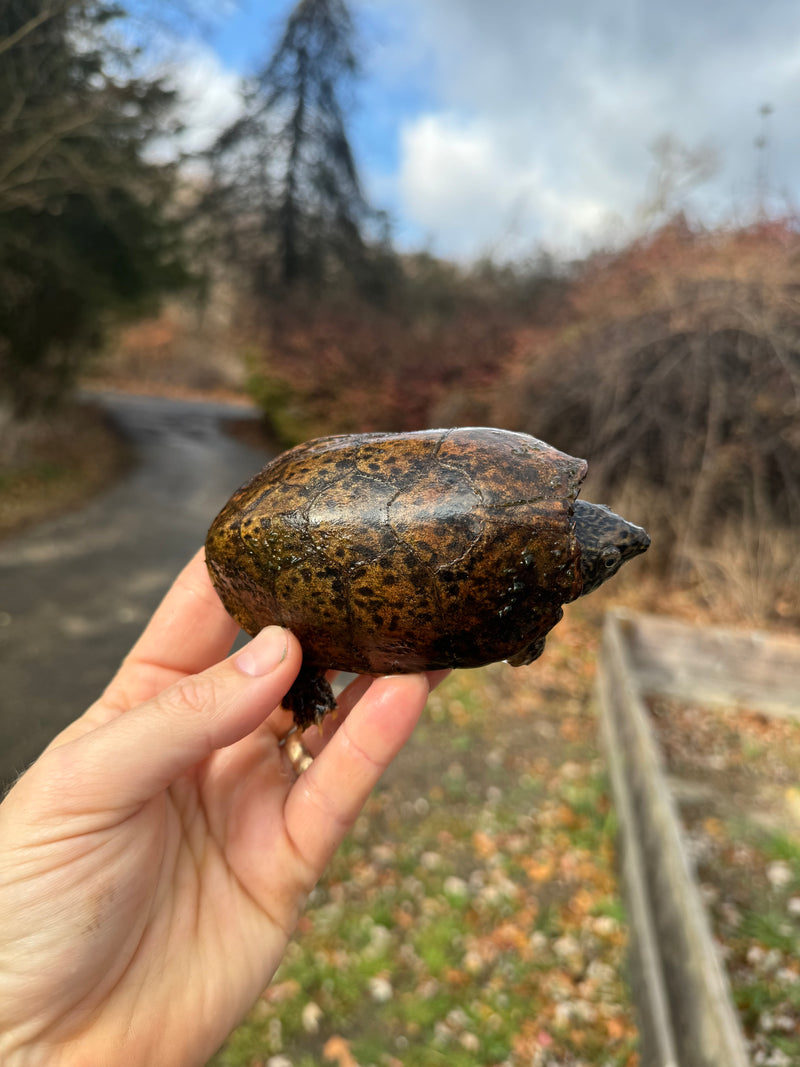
point(472, 917)
point(56, 464)
point(735, 775)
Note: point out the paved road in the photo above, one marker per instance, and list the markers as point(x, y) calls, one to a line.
point(75, 591)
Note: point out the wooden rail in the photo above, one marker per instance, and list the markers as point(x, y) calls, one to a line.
point(686, 1012)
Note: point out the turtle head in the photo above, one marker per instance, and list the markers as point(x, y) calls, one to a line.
point(606, 541)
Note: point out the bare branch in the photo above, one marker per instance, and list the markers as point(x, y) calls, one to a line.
point(45, 15)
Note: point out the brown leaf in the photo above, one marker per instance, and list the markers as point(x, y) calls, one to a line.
point(456, 978)
point(539, 868)
point(616, 1029)
point(484, 845)
point(338, 1050)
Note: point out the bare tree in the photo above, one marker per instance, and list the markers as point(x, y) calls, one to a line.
point(677, 171)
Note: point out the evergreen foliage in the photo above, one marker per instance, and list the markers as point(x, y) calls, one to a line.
point(285, 172)
point(84, 229)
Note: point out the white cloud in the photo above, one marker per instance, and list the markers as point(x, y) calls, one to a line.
point(208, 97)
point(499, 126)
point(473, 192)
point(538, 119)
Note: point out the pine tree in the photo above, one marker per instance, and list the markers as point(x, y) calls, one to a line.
point(288, 165)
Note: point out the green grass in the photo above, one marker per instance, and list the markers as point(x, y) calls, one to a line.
point(783, 847)
point(472, 866)
point(763, 939)
point(37, 474)
point(59, 463)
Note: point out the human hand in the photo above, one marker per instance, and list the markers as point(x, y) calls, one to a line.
point(156, 857)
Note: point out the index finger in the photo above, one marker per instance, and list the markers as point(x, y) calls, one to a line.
point(189, 631)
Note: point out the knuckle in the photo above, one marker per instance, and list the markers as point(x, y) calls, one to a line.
point(194, 694)
point(356, 751)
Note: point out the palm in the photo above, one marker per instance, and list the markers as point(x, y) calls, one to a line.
point(194, 903)
point(180, 854)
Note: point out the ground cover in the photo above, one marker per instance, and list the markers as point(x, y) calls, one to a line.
point(735, 775)
point(56, 463)
point(473, 916)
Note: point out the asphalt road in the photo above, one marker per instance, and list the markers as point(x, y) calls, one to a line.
point(76, 591)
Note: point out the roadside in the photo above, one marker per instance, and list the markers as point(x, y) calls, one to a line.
point(76, 588)
point(58, 464)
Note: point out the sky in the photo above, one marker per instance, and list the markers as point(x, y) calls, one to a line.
point(511, 127)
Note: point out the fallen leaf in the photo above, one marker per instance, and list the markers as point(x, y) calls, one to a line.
point(714, 827)
point(793, 802)
point(539, 869)
point(508, 936)
point(456, 978)
point(338, 1050)
point(570, 729)
point(483, 844)
point(616, 1029)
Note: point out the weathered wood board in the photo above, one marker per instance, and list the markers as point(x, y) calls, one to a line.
point(714, 666)
point(686, 1012)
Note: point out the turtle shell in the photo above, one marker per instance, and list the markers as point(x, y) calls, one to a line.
point(389, 553)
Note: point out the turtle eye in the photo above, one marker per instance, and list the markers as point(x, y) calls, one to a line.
point(611, 558)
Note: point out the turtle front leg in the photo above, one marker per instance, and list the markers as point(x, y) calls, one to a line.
point(310, 698)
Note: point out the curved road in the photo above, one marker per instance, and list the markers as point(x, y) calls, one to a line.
point(76, 591)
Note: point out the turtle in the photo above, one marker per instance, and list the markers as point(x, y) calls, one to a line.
point(392, 553)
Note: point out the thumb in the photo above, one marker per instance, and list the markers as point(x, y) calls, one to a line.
point(130, 759)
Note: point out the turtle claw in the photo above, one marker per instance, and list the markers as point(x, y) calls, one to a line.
point(310, 698)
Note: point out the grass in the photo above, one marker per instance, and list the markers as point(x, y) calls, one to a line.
point(749, 861)
point(763, 948)
point(472, 917)
point(55, 465)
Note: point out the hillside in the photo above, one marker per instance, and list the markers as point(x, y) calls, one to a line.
point(673, 365)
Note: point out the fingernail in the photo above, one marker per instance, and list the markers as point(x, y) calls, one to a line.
point(264, 653)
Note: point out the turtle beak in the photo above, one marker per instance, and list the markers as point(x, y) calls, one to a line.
point(637, 541)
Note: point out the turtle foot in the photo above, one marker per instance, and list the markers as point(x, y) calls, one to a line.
point(310, 698)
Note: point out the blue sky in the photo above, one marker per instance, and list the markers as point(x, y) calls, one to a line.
point(248, 33)
point(509, 126)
